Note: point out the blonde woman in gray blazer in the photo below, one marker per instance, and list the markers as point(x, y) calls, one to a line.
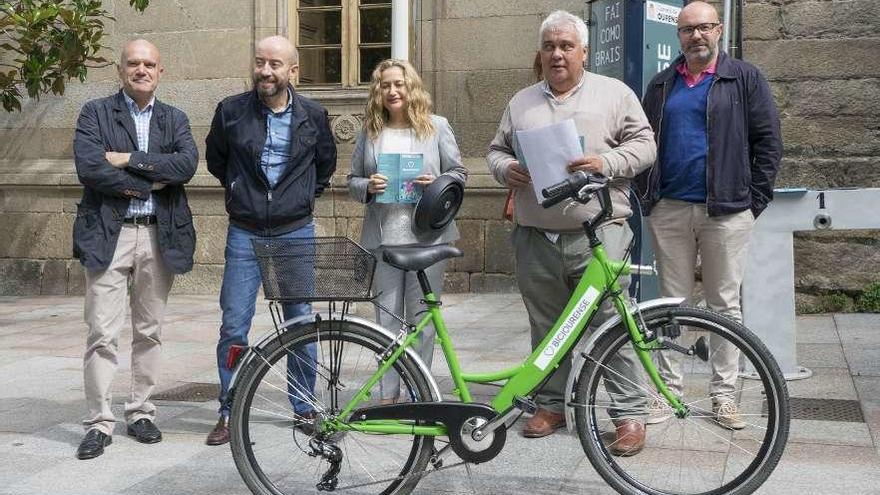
point(398, 120)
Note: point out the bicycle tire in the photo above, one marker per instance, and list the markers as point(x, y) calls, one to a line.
point(674, 460)
point(271, 452)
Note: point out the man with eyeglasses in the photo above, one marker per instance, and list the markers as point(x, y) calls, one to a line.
point(719, 147)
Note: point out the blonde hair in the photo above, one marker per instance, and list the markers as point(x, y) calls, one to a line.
point(418, 101)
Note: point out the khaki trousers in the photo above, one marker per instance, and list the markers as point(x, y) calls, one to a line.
point(680, 231)
point(137, 258)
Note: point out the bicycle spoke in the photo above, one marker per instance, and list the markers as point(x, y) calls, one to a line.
point(278, 453)
point(712, 449)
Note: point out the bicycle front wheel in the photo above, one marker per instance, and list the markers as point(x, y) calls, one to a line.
point(734, 431)
point(271, 442)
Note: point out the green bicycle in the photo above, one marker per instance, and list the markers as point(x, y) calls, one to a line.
point(356, 443)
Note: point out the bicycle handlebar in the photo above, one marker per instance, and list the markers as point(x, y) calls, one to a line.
point(571, 187)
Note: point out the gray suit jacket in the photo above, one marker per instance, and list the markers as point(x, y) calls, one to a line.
point(441, 156)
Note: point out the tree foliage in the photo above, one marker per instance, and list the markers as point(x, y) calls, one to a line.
point(44, 44)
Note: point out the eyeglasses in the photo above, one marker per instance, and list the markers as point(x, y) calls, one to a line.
point(704, 28)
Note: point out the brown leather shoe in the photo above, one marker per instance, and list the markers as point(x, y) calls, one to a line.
point(630, 438)
point(543, 423)
point(305, 423)
point(220, 434)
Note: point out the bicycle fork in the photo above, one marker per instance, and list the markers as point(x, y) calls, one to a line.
point(643, 350)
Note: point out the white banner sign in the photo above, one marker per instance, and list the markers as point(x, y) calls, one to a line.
point(661, 12)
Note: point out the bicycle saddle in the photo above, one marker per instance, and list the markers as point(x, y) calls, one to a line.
point(417, 258)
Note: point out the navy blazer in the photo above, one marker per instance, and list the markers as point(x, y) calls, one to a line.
point(233, 148)
point(105, 125)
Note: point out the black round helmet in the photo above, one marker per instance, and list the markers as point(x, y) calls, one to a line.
point(438, 205)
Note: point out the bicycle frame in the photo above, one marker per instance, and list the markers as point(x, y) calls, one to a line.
point(598, 282)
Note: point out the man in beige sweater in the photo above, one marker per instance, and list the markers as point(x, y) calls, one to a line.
point(550, 246)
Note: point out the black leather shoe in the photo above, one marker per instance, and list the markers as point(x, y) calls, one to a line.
point(144, 431)
point(93, 444)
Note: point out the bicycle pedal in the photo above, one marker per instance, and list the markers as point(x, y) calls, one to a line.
point(525, 404)
point(435, 459)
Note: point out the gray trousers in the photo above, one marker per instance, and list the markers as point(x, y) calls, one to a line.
point(400, 292)
point(679, 231)
point(547, 273)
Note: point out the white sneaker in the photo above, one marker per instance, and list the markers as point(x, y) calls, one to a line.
point(658, 411)
point(727, 415)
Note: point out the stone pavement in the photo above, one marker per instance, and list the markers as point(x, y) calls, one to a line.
point(41, 403)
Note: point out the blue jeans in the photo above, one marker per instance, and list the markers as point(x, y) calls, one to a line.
point(238, 296)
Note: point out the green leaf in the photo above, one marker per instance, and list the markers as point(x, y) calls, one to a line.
point(50, 42)
point(139, 5)
point(67, 16)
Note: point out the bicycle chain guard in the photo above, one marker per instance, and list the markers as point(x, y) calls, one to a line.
point(460, 419)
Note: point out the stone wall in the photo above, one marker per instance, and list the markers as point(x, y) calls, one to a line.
point(819, 55)
point(206, 47)
point(821, 59)
point(474, 56)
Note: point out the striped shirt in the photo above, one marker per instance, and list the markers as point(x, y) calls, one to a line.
point(138, 207)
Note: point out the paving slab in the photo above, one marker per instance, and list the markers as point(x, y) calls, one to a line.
point(810, 469)
point(830, 433)
point(826, 383)
point(821, 356)
point(816, 329)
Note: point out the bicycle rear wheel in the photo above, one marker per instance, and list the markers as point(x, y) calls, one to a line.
point(271, 444)
point(715, 448)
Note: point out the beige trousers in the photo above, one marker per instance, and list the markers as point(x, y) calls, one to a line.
point(137, 259)
point(680, 231)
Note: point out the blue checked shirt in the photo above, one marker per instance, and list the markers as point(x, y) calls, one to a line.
point(276, 150)
point(137, 207)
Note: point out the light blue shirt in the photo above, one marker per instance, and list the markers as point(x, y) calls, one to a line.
point(276, 150)
point(137, 207)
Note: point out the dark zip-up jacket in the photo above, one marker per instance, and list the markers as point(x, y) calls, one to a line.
point(744, 145)
point(234, 145)
point(105, 125)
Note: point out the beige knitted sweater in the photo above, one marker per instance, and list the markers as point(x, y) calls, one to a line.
point(609, 117)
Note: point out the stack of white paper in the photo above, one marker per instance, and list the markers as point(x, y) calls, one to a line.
point(547, 151)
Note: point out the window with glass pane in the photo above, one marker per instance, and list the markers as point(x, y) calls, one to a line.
point(375, 36)
point(341, 41)
point(320, 41)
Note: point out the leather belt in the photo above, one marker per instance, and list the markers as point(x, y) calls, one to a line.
point(144, 220)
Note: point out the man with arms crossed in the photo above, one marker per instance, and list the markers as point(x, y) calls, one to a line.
point(133, 154)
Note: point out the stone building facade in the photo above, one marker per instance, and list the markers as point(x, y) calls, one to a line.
point(820, 56)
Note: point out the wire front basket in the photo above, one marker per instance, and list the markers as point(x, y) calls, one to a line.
point(314, 269)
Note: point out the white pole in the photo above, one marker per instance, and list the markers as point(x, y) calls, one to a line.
point(725, 37)
point(400, 29)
